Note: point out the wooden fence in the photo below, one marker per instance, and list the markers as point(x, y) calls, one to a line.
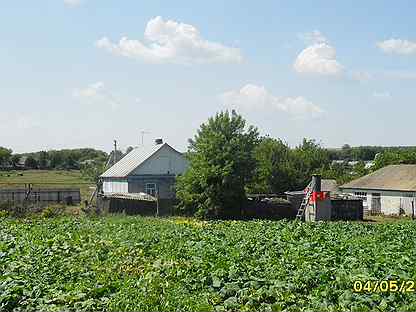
point(67, 196)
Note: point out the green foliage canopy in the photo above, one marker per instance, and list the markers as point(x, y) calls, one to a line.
point(5, 155)
point(274, 170)
point(222, 163)
point(31, 162)
point(280, 168)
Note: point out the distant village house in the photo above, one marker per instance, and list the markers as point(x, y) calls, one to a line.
point(390, 190)
point(146, 169)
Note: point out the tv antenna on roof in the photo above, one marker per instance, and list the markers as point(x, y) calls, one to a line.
point(143, 132)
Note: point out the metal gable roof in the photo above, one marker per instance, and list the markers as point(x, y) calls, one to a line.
point(132, 160)
point(392, 177)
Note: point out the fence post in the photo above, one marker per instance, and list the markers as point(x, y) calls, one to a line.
point(157, 203)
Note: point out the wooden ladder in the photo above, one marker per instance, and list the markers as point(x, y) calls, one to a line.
point(305, 202)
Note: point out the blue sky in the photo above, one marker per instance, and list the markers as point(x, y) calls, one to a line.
point(332, 71)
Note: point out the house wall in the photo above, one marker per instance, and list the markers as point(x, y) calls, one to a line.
point(166, 161)
point(115, 185)
point(392, 202)
point(164, 184)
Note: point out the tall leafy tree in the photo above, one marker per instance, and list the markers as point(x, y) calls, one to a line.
point(70, 162)
point(308, 158)
point(56, 159)
point(222, 163)
point(5, 155)
point(43, 160)
point(274, 169)
point(15, 160)
point(92, 171)
point(31, 162)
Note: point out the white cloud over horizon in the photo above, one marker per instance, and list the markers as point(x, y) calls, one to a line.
point(92, 90)
point(253, 97)
point(72, 3)
point(397, 46)
point(20, 121)
point(361, 76)
point(399, 74)
point(172, 42)
point(96, 92)
point(382, 95)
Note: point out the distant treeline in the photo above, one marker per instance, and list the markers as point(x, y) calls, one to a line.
point(55, 159)
point(279, 167)
point(365, 153)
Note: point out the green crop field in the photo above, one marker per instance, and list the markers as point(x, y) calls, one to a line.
point(47, 178)
point(124, 263)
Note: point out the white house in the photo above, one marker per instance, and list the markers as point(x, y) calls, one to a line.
point(389, 190)
point(149, 169)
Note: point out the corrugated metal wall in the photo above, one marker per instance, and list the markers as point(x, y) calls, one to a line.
point(165, 161)
point(42, 195)
point(113, 185)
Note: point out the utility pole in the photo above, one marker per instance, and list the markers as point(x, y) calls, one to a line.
point(111, 157)
point(143, 132)
point(115, 152)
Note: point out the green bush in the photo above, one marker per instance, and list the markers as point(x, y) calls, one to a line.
point(53, 210)
point(31, 209)
point(18, 209)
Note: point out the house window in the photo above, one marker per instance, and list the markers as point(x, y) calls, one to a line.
point(151, 189)
point(362, 195)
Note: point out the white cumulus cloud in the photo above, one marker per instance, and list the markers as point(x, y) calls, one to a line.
point(72, 3)
point(253, 97)
point(97, 92)
point(19, 121)
point(313, 37)
point(397, 46)
point(172, 42)
point(382, 95)
point(319, 58)
point(93, 90)
point(361, 76)
point(399, 74)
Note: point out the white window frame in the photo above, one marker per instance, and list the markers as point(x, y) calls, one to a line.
point(363, 196)
point(151, 189)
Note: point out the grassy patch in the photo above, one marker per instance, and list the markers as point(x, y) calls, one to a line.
point(386, 219)
point(145, 264)
point(47, 179)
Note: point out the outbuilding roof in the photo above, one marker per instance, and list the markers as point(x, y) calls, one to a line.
point(132, 160)
point(393, 177)
point(329, 185)
point(134, 196)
